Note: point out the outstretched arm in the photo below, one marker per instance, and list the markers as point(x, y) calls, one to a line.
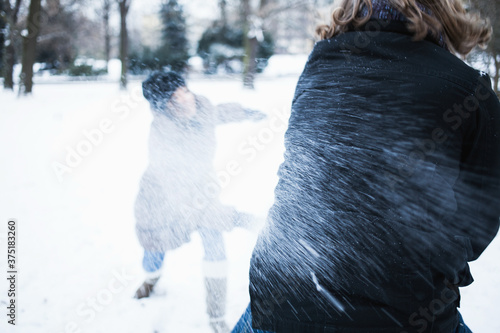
point(234, 112)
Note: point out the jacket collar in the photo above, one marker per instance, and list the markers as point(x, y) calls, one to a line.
point(385, 17)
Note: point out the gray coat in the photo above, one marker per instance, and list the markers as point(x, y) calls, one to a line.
point(179, 191)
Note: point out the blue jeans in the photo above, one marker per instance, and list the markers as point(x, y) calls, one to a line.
point(244, 325)
point(462, 328)
point(213, 244)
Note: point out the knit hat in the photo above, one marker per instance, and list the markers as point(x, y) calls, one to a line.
point(160, 86)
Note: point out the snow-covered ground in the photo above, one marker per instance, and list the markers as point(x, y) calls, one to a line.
point(72, 156)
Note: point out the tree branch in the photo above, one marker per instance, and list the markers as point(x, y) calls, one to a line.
point(271, 9)
point(6, 7)
point(15, 11)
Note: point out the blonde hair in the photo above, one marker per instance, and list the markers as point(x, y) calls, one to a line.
point(462, 31)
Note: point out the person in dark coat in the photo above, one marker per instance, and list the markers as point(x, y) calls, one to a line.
point(391, 178)
point(179, 191)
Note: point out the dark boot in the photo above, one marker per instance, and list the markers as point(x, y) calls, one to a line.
point(146, 288)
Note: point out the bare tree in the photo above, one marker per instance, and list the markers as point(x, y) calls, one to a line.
point(30, 35)
point(12, 14)
point(258, 20)
point(223, 12)
point(491, 9)
point(124, 6)
point(252, 34)
point(106, 11)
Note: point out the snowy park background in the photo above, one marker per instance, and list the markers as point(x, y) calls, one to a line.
point(79, 259)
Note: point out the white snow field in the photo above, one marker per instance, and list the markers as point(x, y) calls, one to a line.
point(71, 159)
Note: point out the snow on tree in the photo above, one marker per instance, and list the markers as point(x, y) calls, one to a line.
point(224, 43)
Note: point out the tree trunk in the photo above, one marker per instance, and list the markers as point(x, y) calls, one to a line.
point(124, 6)
point(10, 49)
point(223, 12)
point(263, 7)
point(9, 62)
point(252, 34)
point(251, 63)
point(496, 78)
point(248, 74)
point(29, 47)
point(107, 31)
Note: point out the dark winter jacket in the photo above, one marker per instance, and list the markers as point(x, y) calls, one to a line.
point(390, 185)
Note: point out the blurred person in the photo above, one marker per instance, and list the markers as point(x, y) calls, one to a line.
point(179, 191)
point(391, 178)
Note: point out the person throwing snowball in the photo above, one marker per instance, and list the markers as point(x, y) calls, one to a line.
point(179, 192)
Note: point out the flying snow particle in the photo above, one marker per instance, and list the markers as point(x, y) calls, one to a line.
point(335, 302)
